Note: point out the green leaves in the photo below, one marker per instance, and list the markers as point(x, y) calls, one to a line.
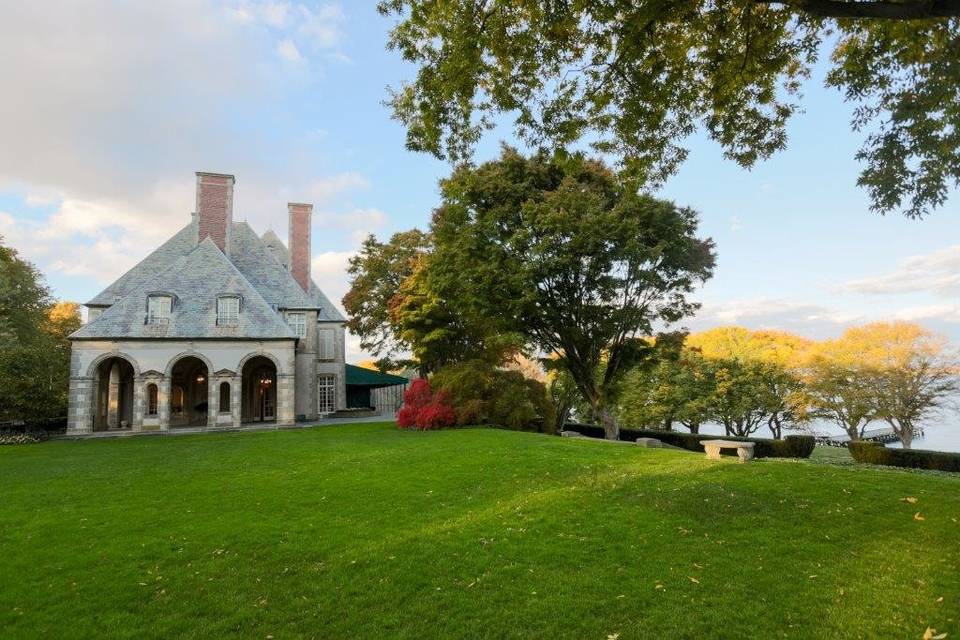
point(634, 79)
point(564, 253)
point(34, 351)
point(376, 274)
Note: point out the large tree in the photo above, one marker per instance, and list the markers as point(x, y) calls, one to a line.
point(562, 251)
point(34, 350)
point(670, 391)
point(635, 78)
point(441, 328)
point(912, 373)
point(767, 365)
point(376, 273)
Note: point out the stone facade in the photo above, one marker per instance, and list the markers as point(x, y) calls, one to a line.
point(196, 367)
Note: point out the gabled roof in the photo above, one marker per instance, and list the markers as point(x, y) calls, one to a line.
point(276, 246)
point(260, 266)
point(162, 257)
point(261, 261)
point(195, 280)
point(326, 311)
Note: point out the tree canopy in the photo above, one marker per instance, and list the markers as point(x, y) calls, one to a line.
point(635, 79)
point(565, 254)
point(34, 350)
point(376, 273)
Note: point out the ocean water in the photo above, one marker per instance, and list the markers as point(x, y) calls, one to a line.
point(942, 435)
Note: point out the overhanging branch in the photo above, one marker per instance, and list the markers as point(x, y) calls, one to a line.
point(918, 10)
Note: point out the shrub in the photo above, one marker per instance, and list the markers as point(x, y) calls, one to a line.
point(789, 447)
point(876, 453)
point(18, 436)
point(424, 409)
point(483, 394)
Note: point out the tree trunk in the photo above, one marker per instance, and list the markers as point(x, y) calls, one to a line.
point(694, 427)
point(775, 427)
point(906, 435)
point(611, 429)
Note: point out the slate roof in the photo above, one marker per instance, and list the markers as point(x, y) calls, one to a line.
point(181, 268)
point(176, 247)
point(259, 265)
point(195, 280)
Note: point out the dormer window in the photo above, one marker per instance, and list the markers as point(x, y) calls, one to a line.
point(228, 311)
point(158, 309)
point(298, 322)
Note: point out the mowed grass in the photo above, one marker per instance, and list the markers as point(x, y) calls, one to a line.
point(366, 531)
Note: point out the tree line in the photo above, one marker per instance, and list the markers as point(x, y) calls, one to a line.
point(887, 373)
point(557, 257)
point(34, 350)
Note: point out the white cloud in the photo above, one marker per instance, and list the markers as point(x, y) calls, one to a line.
point(287, 50)
point(320, 28)
point(276, 14)
point(329, 271)
point(931, 312)
point(937, 272)
point(106, 132)
point(809, 319)
point(816, 320)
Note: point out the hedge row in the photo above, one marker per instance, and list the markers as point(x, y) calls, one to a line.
point(47, 425)
point(789, 447)
point(876, 453)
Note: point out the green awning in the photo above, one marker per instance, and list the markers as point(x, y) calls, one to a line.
point(361, 377)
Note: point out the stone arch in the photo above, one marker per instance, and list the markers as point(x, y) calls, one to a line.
point(250, 356)
point(189, 376)
point(103, 357)
point(113, 392)
point(259, 388)
point(188, 354)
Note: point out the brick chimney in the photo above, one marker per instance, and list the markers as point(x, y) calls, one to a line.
point(299, 239)
point(215, 208)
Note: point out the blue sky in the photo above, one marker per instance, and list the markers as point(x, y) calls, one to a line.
point(111, 107)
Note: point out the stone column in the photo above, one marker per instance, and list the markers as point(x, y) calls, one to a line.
point(163, 403)
point(236, 400)
point(113, 398)
point(139, 404)
point(213, 400)
point(81, 405)
point(285, 397)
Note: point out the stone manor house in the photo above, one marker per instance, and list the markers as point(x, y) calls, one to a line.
point(217, 327)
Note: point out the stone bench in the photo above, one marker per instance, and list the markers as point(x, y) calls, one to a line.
point(713, 447)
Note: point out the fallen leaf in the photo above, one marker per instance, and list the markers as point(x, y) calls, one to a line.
point(694, 580)
point(911, 500)
point(917, 516)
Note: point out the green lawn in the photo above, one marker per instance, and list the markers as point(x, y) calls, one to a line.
point(365, 531)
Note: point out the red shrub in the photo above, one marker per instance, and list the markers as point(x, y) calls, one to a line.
point(423, 409)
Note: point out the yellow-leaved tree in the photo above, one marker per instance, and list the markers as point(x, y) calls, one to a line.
point(897, 372)
point(757, 377)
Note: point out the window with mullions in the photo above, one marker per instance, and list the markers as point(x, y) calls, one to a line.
point(228, 311)
point(158, 309)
